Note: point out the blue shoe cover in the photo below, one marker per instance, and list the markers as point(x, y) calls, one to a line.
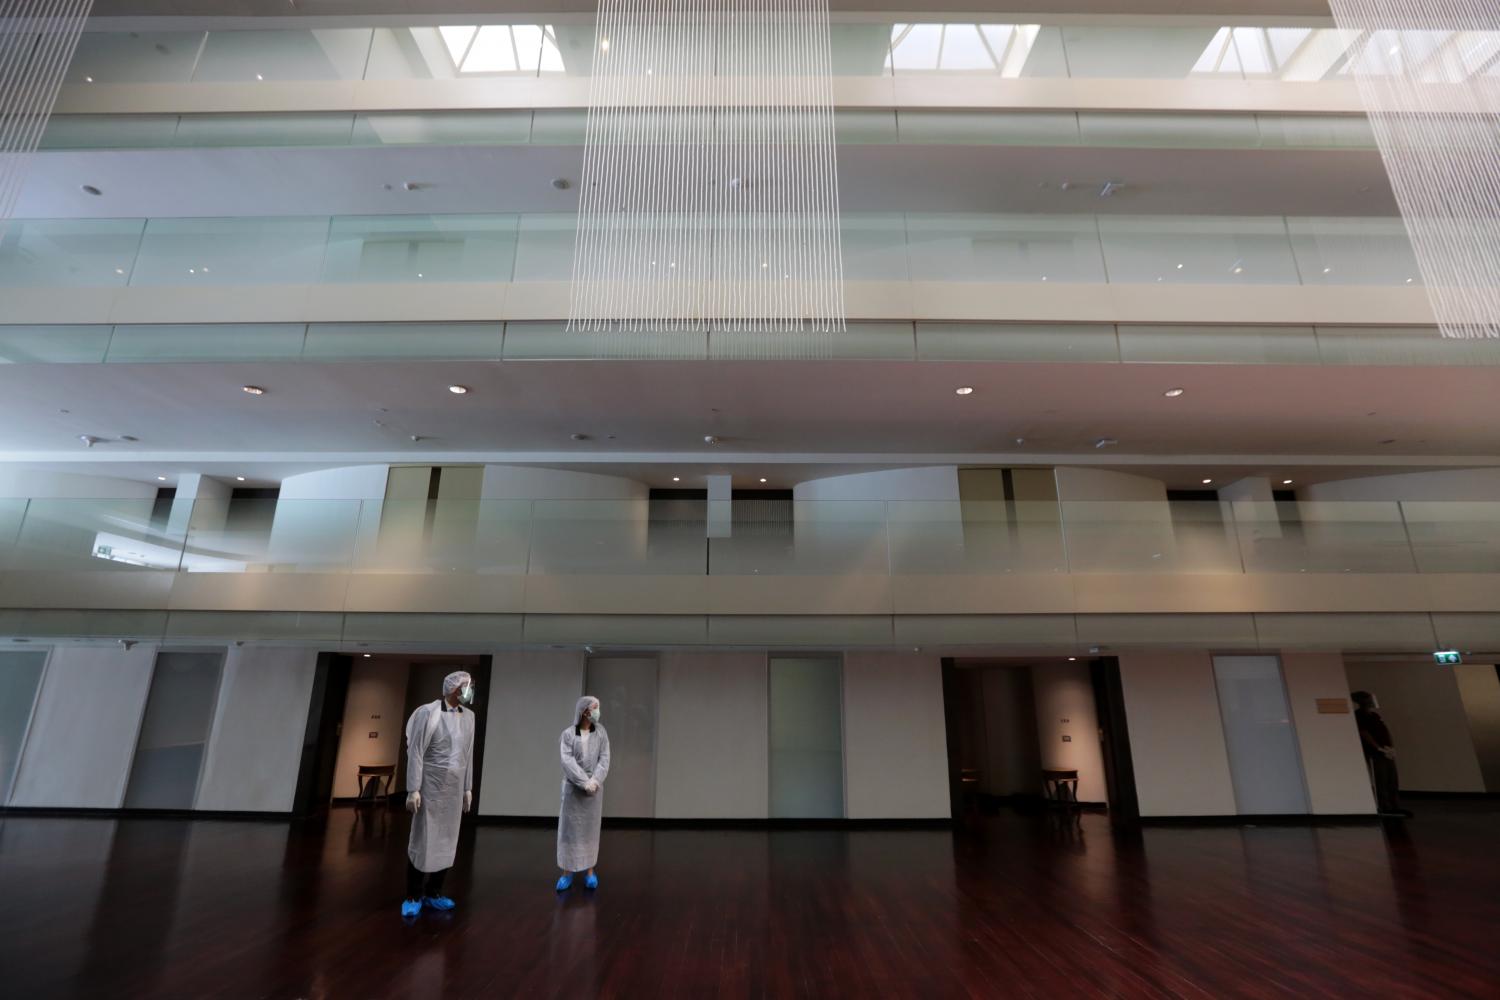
point(565, 883)
point(411, 907)
point(592, 882)
point(438, 902)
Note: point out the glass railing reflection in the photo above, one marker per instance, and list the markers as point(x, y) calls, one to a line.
point(638, 537)
point(861, 45)
point(916, 246)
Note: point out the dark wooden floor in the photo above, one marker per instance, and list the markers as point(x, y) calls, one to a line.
point(1018, 906)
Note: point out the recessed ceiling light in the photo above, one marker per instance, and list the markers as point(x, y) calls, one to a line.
point(90, 189)
point(561, 183)
point(1105, 443)
point(1072, 659)
point(676, 479)
point(239, 479)
point(253, 390)
point(604, 45)
point(762, 478)
point(259, 77)
point(161, 479)
point(1207, 481)
point(1238, 269)
point(965, 390)
point(459, 390)
point(1174, 393)
point(1286, 482)
point(1179, 267)
point(1409, 280)
point(88, 79)
point(1327, 270)
point(367, 656)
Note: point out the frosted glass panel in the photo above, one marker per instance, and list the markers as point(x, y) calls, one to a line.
point(243, 251)
point(1227, 250)
point(1157, 52)
point(105, 57)
point(20, 345)
point(1353, 252)
point(254, 56)
point(179, 711)
point(1264, 763)
point(20, 676)
point(1026, 248)
point(135, 344)
point(421, 248)
point(626, 689)
point(319, 129)
point(807, 739)
point(68, 253)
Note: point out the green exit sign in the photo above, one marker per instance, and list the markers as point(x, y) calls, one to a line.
point(1447, 657)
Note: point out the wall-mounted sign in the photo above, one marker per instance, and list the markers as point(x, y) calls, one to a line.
point(1333, 706)
point(1447, 658)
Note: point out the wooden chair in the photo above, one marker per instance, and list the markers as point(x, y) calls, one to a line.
point(375, 782)
point(1060, 786)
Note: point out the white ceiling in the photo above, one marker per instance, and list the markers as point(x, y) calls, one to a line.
point(797, 419)
point(320, 182)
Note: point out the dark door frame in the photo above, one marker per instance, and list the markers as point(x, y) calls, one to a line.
point(1114, 741)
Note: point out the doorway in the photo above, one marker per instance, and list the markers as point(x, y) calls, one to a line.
point(360, 708)
point(1023, 732)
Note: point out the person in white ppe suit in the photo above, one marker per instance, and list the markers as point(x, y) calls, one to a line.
point(585, 764)
point(439, 790)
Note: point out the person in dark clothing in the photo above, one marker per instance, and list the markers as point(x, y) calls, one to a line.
point(1380, 753)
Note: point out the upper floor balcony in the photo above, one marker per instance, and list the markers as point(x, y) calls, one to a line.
point(752, 557)
point(898, 266)
point(879, 60)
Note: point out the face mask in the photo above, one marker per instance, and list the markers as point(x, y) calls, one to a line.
point(466, 694)
point(594, 715)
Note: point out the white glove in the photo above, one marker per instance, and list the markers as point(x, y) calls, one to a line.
point(468, 800)
point(592, 787)
point(413, 802)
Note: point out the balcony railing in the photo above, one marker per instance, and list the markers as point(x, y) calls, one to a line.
point(870, 45)
point(604, 555)
point(1156, 250)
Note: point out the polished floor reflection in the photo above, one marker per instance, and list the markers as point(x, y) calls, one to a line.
point(1009, 906)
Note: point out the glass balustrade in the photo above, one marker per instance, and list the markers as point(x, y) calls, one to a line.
point(854, 127)
point(883, 247)
point(625, 538)
point(861, 45)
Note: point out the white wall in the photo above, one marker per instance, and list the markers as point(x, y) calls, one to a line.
point(519, 482)
point(1421, 704)
point(1333, 764)
point(1064, 695)
point(937, 482)
point(376, 704)
point(82, 740)
point(355, 482)
point(531, 697)
point(1176, 735)
point(255, 746)
point(713, 736)
point(1454, 484)
point(1479, 687)
point(895, 740)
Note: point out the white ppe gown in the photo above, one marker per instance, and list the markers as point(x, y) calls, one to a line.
point(439, 764)
point(579, 818)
